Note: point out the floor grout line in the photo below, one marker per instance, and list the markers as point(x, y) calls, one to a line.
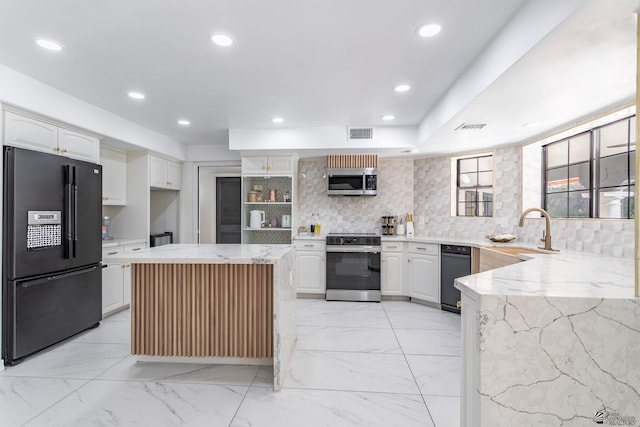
point(412, 374)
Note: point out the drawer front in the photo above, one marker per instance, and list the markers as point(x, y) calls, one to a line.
point(310, 245)
point(423, 248)
point(392, 246)
point(133, 247)
point(115, 250)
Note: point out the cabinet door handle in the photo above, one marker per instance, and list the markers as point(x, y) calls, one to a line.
point(56, 149)
point(112, 253)
point(308, 246)
point(422, 249)
point(408, 260)
point(459, 304)
point(135, 249)
point(64, 150)
point(392, 247)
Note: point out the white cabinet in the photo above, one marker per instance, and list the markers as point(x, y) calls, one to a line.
point(392, 268)
point(423, 272)
point(78, 146)
point(311, 266)
point(28, 133)
point(116, 278)
point(164, 173)
point(32, 134)
point(270, 165)
point(112, 290)
point(114, 177)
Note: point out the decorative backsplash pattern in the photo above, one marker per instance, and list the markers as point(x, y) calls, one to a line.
point(354, 214)
point(422, 186)
point(432, 200)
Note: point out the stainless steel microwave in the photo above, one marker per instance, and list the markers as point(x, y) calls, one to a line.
point(352, 182)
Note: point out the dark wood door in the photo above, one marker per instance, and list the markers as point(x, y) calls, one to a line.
point(228, 210)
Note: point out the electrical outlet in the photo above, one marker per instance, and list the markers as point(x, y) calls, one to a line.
point(421, 220)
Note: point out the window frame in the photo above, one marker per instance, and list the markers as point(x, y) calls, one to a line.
point(476, 187)
point(594, 161)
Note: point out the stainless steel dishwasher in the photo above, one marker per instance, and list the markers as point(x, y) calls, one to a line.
point(455, 261)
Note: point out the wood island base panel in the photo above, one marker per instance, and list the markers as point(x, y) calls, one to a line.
point(202, 310)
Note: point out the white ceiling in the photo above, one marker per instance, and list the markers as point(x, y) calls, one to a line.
point(323, 64)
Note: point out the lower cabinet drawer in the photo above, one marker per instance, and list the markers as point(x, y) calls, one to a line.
point(424, 248)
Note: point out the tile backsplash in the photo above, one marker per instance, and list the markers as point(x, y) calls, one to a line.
point(422, 186)
point(354, 214)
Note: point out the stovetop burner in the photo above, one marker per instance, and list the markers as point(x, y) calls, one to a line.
point(353, 239)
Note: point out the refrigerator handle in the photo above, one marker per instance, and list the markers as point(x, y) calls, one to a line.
point(69, 247)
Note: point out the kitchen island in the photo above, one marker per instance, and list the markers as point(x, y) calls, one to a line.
point(551, 341)
point(231, 304)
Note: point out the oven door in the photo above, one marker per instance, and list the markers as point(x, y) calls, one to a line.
point(351, 268)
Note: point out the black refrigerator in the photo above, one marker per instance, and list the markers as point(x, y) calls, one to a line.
point(52, 248)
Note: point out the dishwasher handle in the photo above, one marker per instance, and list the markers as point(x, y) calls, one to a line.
point(446, 254)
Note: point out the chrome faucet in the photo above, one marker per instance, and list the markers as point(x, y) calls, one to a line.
point(546, 235)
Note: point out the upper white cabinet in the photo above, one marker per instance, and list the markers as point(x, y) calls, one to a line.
point(114, 177)
point(78, 146)
point(32, 134)
point(164, 173)
point(270, 165)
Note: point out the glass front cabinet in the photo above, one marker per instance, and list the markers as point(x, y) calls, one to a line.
point(268, 206)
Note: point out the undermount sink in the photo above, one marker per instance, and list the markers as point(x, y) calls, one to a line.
point(516, 250)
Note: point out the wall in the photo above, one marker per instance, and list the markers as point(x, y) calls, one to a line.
point(354, 214)
point(432, 200)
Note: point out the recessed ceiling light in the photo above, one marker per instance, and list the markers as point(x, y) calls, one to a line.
point(277, 120)
point(429, 30)
point(136, 95)
point(183, 122)
point(531, 124)
point(402, 88)
point(388, 117)
point(222, 39)
point(49, 44)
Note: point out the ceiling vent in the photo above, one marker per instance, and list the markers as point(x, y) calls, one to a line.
point(471, 126)
point(360, 133)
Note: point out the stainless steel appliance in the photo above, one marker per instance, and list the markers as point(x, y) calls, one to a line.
point(352, 182)
point(353, 267)
point(455, 261)
point(52, 248)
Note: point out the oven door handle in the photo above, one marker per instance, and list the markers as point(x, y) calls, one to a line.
point(354, 249)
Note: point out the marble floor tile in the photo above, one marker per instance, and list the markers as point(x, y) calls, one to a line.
point(445, 410)
point(311, 304)
point(310, 408)
point(437, 375)
point(23, 398)
point(70, 360)
point(123, 403)
point(198, 373)
point(339, 338)
point(427, 319)
point(405, 306)
point(430, 341)
point(264, 377)
point(121, 316)
point(384, 373)
point(106, 333)
point(347, 318)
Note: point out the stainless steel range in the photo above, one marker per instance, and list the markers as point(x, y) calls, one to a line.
point(353, 267)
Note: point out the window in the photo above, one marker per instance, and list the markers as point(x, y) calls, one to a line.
point(592, 174)
point(474, 184)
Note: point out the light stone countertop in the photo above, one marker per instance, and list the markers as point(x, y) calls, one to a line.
point(563, 274)
point(121, 241)
point(206, 254)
